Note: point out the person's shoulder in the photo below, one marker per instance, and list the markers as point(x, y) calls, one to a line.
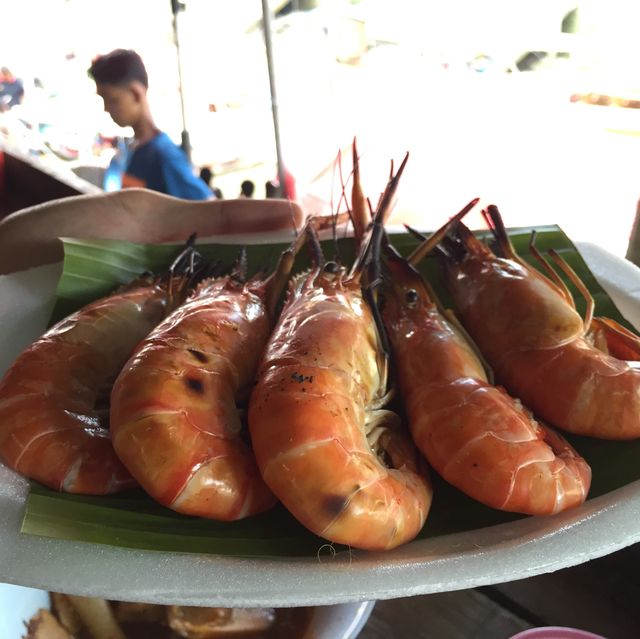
point(163, 142)
point(176, 170)
point(162, 139)
point(165, 148)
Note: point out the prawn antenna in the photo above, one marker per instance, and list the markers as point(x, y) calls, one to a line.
point(359, 213)
point(185, 260)
point(315, 248)
point(417, 234)
point(370, 296)
point(277, 281)
point(494, 221)
point(239, 268)
point(369, 257)
point(435, 238)
point(292, 219)
point(382, 213)
point(439, 248)
point(337, 168)
point(187, 268)
point(374, 280)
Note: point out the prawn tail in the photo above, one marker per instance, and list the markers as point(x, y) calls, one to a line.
point(573, 478)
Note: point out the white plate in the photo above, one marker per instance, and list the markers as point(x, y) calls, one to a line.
point(506, 552)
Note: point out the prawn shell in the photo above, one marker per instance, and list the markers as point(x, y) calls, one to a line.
point(474, 435)
point(561, 377)
point(174, 417)
point(307, 419)
point(49, 428)
point(599, 396)
point(481, 286)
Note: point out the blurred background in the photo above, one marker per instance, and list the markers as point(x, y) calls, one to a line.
point(533, 106)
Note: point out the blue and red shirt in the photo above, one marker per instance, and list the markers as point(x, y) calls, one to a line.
point(159, 165)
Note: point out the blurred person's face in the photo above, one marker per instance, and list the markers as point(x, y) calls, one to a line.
point(123, 103)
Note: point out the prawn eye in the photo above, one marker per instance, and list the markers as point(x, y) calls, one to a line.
point(411, 297)
point(331, 267)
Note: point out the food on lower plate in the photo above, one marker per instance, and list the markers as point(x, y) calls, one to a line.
point(74, 617)
point(201, 623)
point(44, 625)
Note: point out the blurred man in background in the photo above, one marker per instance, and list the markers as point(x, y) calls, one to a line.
point(152, 160)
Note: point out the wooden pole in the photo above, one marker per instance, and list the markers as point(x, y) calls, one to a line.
point(176, 7)
point(266, 27)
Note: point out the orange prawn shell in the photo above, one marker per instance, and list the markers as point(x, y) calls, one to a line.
point(525, 329)
point(474, 435)
point(589, 385)
point(320, 374)
point(174, 419)
point(49, 430)
point(484, 283)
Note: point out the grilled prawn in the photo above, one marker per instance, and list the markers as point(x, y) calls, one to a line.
point(53, 399)
point(471, 432)
point(541, 350)
point(341, 464)
point(174, 419)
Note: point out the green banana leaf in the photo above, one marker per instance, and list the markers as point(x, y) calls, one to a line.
point(134, 520)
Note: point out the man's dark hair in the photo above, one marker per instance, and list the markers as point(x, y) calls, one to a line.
point(119, 68)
